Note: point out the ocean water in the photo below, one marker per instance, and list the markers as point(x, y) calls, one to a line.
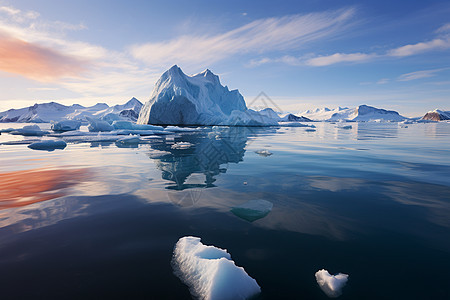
point(99, 221)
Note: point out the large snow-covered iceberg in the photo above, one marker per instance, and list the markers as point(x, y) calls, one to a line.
point(179, 99)
point(210, 273)
point(331, 285)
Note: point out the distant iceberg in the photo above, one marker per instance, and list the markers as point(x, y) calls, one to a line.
point(48, 145)
point(331, 285)
point(179, 99)
point(210, 273)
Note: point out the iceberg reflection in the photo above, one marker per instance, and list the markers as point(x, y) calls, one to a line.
point(208, 157)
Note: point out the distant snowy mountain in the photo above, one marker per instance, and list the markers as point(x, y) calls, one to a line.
point(200, 99)
point(55, 112)
point(363, 113)
point(294, 118)
point(437, 115)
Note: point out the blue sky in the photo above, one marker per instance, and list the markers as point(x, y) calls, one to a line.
point(303, 54)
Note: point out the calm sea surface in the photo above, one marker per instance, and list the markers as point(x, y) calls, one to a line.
point(99, 221)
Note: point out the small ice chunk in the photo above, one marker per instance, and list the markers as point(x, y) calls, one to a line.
point(154, 154)
point(98, 125)
point(331, 285)
point(66, 125)
point(181, 129)
point(295, 124)
point(345, 127)
point(253, 210)
point(182, 145)
point(263, 152)
point(131, 139)
point(48, 145)
point(29, 130)
point(209, 271)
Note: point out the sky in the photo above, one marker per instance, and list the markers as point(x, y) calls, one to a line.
point(302, 54)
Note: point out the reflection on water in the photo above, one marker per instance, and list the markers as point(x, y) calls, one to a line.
point(209, 156)
point(20, 188)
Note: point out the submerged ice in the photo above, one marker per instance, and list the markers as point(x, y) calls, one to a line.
point(210, 272)
point(252, 210)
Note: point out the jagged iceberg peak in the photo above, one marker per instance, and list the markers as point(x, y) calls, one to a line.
point(200, 99)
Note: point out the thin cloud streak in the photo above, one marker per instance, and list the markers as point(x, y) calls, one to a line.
point(408, 50)
point(264, 35)
point(339, 58)
point(419, 74)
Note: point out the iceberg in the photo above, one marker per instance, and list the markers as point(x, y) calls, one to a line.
point(253, 210)
point(210, 272)
point(331, 285)
point(66, 125)
point(200, 99)
point(98, 125)
point(48, 145)
point(29, 130)
point(263, 152)
point(182, 145)
point(131, 139)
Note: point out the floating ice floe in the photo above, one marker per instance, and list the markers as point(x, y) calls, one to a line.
point(132, 126)
point(66, 125)
point(345, 127)
point(154, 154)
point(331, 285)
point(253, 209)
point(181, 129)
point(132, 139)
point(29, 130)
point(182, 145)
point(98, 125)
point(48, 145)
point(210, 273)
point(295, 124)
point(263, 152)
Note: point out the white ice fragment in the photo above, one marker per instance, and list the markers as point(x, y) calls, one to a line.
point(295, 124)
point(331, 285)
point(182, 145)
point(252, 210)
point(66, 125)
point(263, 152)
point(131, 139)
point(29, 130)
point(210, 273)
point(98, 125)
point(48, 145)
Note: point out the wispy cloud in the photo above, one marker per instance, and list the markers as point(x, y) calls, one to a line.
point(264, 35)
point(383, 81)
point(444, 28)
point(412, 49)
point(36, 62)
point(339, 58)
point(419, 74)
point(40, 50)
